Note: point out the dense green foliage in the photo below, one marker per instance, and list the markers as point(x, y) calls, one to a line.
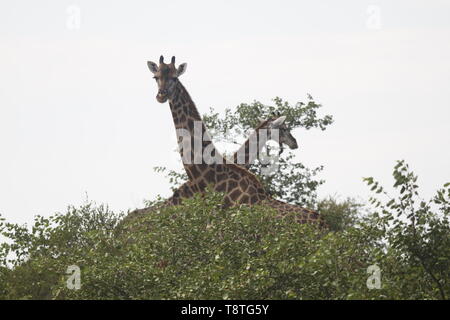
point(200, 251)
point(418, 234)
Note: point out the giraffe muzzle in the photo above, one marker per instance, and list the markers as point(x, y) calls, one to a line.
point(162, 96)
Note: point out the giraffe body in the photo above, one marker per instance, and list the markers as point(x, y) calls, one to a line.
point(243, 156)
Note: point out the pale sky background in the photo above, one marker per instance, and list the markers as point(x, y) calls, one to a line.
point(77, 103)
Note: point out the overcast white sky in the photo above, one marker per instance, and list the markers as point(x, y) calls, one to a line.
point(78, 111)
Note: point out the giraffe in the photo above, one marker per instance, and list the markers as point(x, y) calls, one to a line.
point(258, 138)
point(273, 128)
point(203, 164)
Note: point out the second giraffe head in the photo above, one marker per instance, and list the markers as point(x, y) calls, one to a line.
point(282, 133)
point(166, 76)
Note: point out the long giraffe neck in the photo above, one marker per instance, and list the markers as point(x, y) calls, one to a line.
point(192, 133)
point(204, 165)
point(244, 157)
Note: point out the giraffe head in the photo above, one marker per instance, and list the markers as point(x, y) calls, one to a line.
point(284, 133)
point(166, 76)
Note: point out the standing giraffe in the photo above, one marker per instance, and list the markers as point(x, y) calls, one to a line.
point(205, 165)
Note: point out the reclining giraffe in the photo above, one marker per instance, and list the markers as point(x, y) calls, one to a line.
point(238, 185)
point(261, 135)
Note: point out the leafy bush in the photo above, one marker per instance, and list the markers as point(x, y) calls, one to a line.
point(200, 251)
point(340, 215)
point(417, 232)
point(37, 258)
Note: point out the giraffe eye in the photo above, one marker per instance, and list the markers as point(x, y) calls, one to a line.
point(155, 77)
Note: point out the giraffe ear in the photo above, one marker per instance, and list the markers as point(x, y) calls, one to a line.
point(278, 122)
point(152, 66)
point(181, 69)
